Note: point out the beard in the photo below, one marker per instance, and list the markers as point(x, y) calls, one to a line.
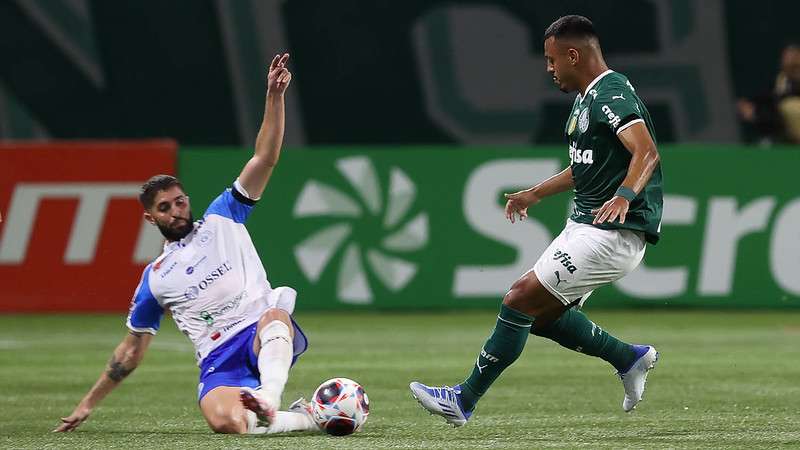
point(178, 232)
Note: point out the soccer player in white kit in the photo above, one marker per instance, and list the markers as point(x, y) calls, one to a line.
point(212, 281)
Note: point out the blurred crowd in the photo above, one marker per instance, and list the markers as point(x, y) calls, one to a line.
point(773, 117)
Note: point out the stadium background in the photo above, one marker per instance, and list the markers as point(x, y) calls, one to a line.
point(406, 121)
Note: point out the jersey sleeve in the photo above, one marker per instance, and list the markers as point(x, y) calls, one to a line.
point(233, 204)
point(145, 314)
point(618, 108)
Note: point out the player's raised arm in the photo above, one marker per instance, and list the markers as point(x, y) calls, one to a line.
point(256, 172)
point(125, 358)
point(645, 159)
point(518, 202)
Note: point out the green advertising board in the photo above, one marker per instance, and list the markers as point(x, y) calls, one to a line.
point(423, 227)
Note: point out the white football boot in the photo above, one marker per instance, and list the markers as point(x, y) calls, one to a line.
point(635, 378)
point(302, 406)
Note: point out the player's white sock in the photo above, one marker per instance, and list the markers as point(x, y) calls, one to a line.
point(285, 421)
point(252, 423)
point(274, 361)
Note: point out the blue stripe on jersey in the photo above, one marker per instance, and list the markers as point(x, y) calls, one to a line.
point(146, 313)
point(230, 205)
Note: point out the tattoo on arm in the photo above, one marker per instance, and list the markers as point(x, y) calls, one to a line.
point(116, 371)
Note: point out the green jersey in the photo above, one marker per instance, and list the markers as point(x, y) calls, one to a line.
point(600, 162)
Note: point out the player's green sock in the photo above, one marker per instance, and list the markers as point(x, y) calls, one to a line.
point(575, 331)
point(501, 349)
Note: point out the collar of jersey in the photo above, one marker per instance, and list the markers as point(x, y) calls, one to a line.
point(595, 81)
point(174, 245)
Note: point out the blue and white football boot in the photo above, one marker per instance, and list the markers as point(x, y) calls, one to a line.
point(443, 401)
point(634, 379)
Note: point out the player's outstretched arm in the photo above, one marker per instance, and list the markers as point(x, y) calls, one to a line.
point(126, 357)
point(256, 172)
point(518, 202)
point(644, 161)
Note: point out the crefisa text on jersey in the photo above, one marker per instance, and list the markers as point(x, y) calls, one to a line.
point(579, 156)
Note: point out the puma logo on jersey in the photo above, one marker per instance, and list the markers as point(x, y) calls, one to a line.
point(579, 156)
point(613, 119)
point(614, 97)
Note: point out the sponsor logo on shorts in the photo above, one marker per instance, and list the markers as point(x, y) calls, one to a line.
point(565, 260)
point(558, 277)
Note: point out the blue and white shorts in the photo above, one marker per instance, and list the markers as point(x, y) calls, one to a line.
point(235, 364)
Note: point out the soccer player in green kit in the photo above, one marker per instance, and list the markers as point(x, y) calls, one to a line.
point(616, 176)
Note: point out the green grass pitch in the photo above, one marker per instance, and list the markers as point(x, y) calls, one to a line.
point(725, 380)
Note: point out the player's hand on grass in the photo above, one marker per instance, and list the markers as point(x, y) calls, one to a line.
point(518, 203)
point(279, 77)
point(78, 416)
point(614, 209)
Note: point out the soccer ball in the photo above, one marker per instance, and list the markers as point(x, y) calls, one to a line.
point(340, 406)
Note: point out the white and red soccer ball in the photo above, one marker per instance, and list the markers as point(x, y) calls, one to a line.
point(340, 406)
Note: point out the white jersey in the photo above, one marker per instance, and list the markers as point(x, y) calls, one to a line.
point(212, 281)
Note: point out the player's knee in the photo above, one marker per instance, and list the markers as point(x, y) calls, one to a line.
point(273, 314)
point(227, 425)
point(519, 297)
point(528, 296)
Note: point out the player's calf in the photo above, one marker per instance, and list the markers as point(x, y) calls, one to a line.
point(274, 359)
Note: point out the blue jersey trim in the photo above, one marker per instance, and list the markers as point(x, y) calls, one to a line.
point(146, 313)
point(229, 205)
